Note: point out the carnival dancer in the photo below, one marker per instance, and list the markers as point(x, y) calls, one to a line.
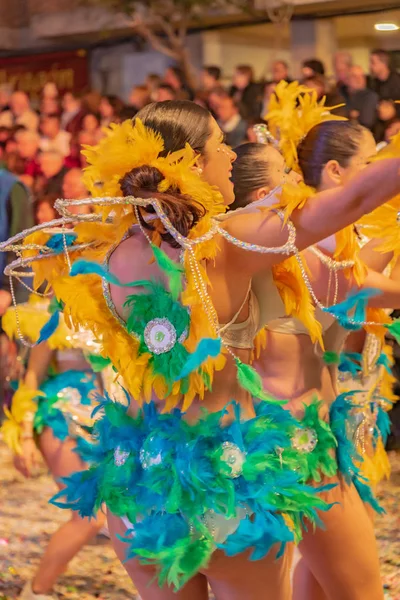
point(291, 368)
point(50, 411)
point(198, 477)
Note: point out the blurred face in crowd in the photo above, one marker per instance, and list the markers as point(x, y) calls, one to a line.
point(50, 90)
point(342, 64)
point(170, 78)
point(105, 108)
point(139, 97)
point(45, 212)
point(5, 96)
point(357, 79)
point(90, 123)
point(279, 71)
point(378, 66)
point(269, 90)
point(316, 85)
point(49, 106)
point(51, 163)
point(386, 110)
point(241, 79)
point(27, 144)
point(165, 93)
point(50, 127)
point(19, 103)
point(70, 103)
point(392, 130)
point(226, 109)
point(208, 82)
point(73, 187)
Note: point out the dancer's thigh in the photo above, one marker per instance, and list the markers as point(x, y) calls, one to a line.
point(59, 455)
point(343, 557)
point(143, 576)
point(238, 578)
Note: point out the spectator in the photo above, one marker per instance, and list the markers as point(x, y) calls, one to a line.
point(27, 148)
point(139, 97)
point(20, 113)
point(91, 125)
point(44, 210)
point(318, 83)
point(386, 117)
point(49, 106)
point(392, 130)
point(210, 78)
point(268, 91)
point(15, 216)
point(246, 93)
point(110, 109)
point(91, 102)
point(384, 81)
point(362, 102)
point(152, 83)
point(312, 67)
point(53, 137)
point(73, 113)
point(230, 121)
point(343, 62)
point(280, 71)
point(5, 95)
point(53, 169)
point(175, 77)
point(85, 138)
point(214, 99)
point(50, 91)
point(165, 92)
point(74, 188)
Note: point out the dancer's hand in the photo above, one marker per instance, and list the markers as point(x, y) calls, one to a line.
point(29, 459)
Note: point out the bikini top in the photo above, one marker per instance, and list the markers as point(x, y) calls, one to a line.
point(241, 335)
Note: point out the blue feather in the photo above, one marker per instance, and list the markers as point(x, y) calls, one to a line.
point(87, 267)
point(351, 312)
point(49, 328)
point(206, 348)
point(384, 361)
point(350, 362)
point(56, 242)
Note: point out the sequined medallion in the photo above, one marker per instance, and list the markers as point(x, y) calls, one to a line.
point(233, 456)
point(160, 336)
point(305, 440)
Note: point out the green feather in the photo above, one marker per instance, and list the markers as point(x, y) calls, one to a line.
point(394, 330)
point(331, 358)
point(173, 270)
point(98, 363)
point(250, 380)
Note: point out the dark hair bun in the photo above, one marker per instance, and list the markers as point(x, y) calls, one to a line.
point(182, 210)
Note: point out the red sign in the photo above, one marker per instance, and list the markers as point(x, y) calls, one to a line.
point(68, 70)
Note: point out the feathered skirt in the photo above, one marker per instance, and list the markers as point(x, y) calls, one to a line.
point(185, 490)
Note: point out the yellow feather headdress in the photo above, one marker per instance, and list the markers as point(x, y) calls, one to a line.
point(292, 112)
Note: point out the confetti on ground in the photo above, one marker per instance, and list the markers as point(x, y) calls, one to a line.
point(27, 522)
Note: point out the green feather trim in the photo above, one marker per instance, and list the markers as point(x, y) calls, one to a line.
point(394, 330)
point(250, 380)
point(331, 358)
point(171, 269)
point(98, 363)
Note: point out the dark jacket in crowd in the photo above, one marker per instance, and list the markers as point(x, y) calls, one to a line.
point(238, 135)
point(334, 99)
point(249, 100)
point(386, 90)
point(365, 103)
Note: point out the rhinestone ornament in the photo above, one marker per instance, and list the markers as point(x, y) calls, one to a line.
point(149, 455)
point(233, 456)
point(72, 395)
point(160, 336)
point(120, 456)
point(305, 440)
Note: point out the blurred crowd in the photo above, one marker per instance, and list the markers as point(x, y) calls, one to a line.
point(40, 142)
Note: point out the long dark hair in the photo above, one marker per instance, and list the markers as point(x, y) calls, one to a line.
point(179, 122)
point(330, 140)
point(250, 172)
